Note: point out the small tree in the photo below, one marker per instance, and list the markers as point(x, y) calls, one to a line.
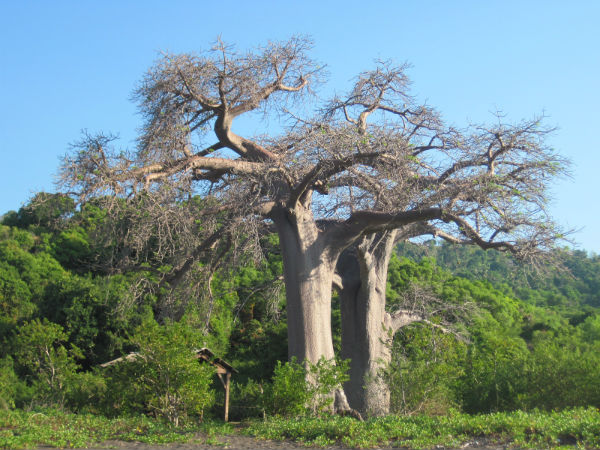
point(164, 378)
point(39, 350)
point(9, 383)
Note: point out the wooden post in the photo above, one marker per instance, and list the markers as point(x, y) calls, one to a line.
point(227, 379)
point(224, 371)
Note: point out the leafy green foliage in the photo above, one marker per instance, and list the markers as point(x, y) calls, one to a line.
point(42, 358)
point(290, 391)
point(9, 383)
point(300, 389)
point(164, 378)
point(26, 274)
point(44, 210)
point(569, 429)
point(534, 338)
point(424, 371)
point(95, 310)
point(257, 346)
point(521, 355)
point(577, 428)
point(51, 428)
point(576, 287)
point(259, 335)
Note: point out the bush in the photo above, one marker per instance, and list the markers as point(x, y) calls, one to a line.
point(289, 392)
point(327, 377)
point(87, 391)
point(423, 371)
point(48, 366)
point(164, 379)
point(299, 389)
point(9, 383)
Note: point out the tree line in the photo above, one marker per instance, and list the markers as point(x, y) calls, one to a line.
point(497, 343)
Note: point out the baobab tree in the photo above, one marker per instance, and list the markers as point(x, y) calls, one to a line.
point(503, 212)
point(374, 161)
point(368, 327)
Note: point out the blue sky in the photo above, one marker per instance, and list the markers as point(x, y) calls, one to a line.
point(66, 66)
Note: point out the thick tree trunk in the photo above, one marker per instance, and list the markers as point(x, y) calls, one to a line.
point(366, 326)
point(308, 270)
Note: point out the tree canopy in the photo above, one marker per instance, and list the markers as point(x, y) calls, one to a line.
point(371, 161)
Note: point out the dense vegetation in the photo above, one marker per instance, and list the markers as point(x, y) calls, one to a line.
point(519, 339)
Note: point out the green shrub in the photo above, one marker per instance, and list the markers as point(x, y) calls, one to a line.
point(86, 392)
point(299, 389)
point(423, 371)
point(164, 379)
point(48, 366)
point(289, 392)
point(9, 383)
point(327, 377)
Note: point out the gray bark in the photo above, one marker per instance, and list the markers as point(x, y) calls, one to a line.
point(308, 266)
point(366, 326)
point(309, 260)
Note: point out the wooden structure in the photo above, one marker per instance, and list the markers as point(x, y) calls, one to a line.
point(224, 371)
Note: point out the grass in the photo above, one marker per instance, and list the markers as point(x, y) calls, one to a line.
point(576, 428)
point(20, 430)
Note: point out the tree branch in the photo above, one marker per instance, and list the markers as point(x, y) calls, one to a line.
point(157, 172)
point(402, 318)
point(372, 221)
point(327, 168)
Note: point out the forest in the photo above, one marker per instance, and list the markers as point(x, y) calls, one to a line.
point(515, 337)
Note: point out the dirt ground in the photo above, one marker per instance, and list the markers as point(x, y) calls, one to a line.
point(237, 442)
point(232, 442)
